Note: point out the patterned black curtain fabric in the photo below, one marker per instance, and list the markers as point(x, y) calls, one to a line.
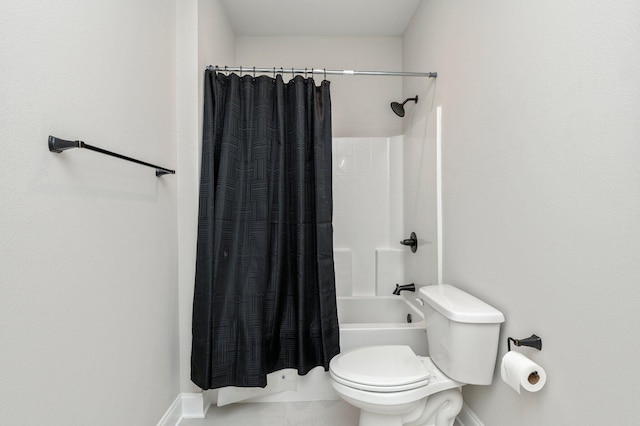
point(265, 288)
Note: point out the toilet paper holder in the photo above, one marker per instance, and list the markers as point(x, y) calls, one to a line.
point(532, 341)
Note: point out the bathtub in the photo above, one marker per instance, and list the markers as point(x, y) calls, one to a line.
point(381, 320)
point(363, 321)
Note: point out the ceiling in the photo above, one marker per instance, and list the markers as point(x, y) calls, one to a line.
point(320, 17)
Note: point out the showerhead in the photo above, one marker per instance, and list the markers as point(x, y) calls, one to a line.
point(398, 108)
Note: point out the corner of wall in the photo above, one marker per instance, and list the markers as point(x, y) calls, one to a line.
point(204, 37)
point(186, 406)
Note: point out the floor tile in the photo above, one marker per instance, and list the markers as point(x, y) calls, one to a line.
point(314, 413)
point(321, 413)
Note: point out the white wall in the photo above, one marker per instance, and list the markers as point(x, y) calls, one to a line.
point(204, 37)
point(88, 294)
point(542, 190)
point(419, 177)
point(360, 105)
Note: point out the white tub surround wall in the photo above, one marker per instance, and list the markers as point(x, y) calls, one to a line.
point(343, 264)
point(389, 269)
point(364, 219)
point(542, 190)
point(88, 266)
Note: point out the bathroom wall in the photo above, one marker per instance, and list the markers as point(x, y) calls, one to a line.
point(542, 190)
point(204, 37)
point(88, 272)
point(419, 178)
point(360, 105)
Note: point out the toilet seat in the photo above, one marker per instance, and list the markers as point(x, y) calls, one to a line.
point(363, 376)
point(389, 368)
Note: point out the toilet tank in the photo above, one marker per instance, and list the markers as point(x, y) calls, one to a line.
point(462, 332)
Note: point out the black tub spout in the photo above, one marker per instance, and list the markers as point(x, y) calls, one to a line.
point(406, 287)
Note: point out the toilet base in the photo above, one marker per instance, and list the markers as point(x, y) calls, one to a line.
point(374, 419)
point(438, 409)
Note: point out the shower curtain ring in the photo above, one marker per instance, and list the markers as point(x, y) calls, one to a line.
point(254, 72)
point(325, 73)
point(226, 72)
point(240, 71)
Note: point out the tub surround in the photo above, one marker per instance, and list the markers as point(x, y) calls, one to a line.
point(367, 216)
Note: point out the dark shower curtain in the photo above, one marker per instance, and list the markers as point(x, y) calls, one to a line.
point(264, 289)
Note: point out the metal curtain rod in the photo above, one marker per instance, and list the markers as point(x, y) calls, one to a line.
point(321, 71)
point(58, 145)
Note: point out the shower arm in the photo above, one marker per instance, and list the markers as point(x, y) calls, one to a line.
point(415, 99)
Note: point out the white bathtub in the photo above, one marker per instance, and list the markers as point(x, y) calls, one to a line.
point(381, 320)
point(364, 321)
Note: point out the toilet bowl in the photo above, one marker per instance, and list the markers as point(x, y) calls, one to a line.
point(392, 386)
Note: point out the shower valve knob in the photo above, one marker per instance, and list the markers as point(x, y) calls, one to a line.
point(412, 242)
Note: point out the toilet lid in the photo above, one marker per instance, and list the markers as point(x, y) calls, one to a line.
point(380, 366)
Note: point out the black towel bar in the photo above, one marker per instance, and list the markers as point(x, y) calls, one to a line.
point(58, 145)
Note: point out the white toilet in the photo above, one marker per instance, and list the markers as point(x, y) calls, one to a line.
point(393, 386)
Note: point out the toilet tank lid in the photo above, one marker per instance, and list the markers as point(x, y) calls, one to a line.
point(459, 306)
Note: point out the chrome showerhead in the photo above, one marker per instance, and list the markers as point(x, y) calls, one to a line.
point(398, 108)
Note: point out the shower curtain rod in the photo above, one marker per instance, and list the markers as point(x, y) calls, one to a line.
point(321, 71)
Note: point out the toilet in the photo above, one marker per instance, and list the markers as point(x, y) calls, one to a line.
point(392, 386)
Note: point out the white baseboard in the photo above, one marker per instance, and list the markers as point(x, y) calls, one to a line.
point(185, 406)
point(468, 417)
point(173, 415)
point(195, 406)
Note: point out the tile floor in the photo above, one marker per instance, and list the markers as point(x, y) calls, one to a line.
point(314, 413)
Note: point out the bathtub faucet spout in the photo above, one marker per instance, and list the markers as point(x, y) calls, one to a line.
point(406, 287)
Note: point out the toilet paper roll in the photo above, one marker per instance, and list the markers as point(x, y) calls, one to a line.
point(518, 371)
